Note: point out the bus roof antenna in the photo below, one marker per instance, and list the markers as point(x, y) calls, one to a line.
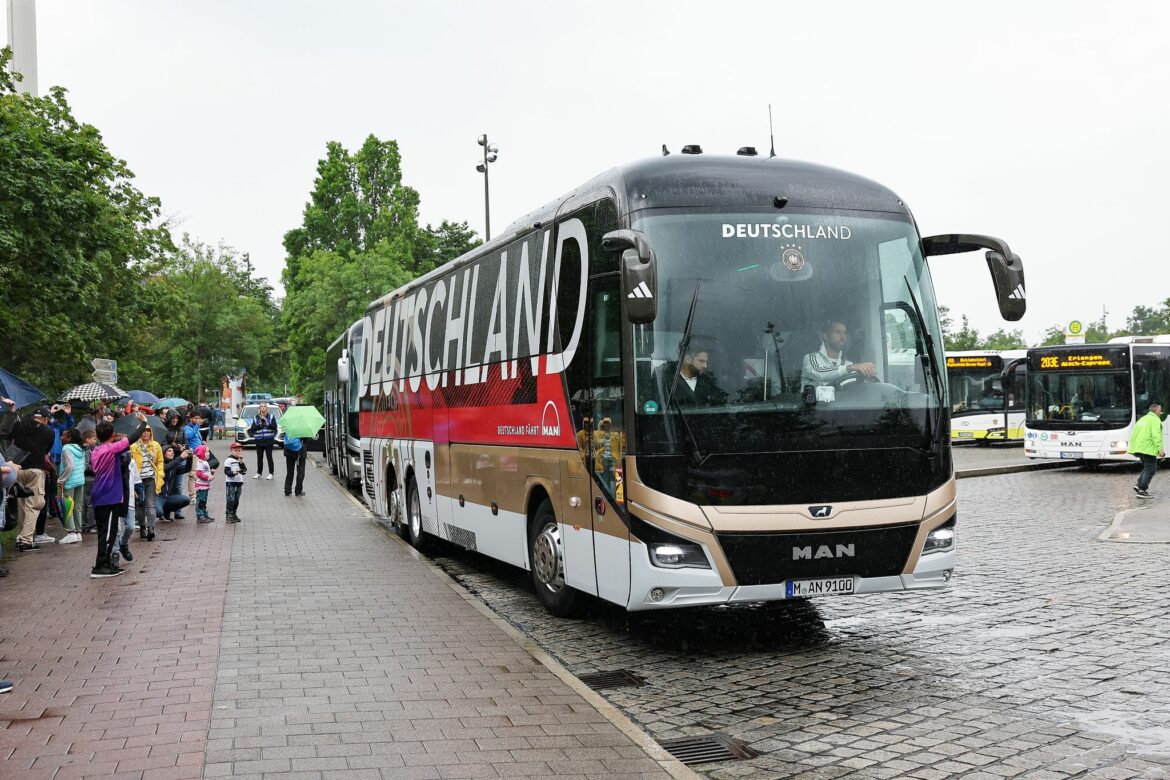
point(771, 133)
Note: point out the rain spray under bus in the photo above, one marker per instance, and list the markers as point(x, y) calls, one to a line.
point(981, 410)
point(535, 400)
point(1083, 400)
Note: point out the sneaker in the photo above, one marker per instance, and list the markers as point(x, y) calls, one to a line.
point(1137, 489)
point(205, 520)
point(269, 477)
point(178, 516)
point(105, 570)
point(301, 494)
point(73, 537)
point(5, 686)
point(27, 547)
point(125, 550)
point(44, 539)
point(91, 530)
point(150, 535)
point(255, 476)
point(1143, 494)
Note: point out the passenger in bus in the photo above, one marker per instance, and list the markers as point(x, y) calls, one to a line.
point(696, 386)
point(828, 364)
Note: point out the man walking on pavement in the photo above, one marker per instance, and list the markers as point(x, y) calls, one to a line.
point(33, 437)
point(1146, 443)
point(263, 430)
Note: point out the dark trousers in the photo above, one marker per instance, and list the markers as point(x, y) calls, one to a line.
point(107, 535)
point(88, 520)
point(233, 496)
point(262, 449)
point(1149, 469)
point(294, 461)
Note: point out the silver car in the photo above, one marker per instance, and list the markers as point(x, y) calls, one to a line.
point(244, 422)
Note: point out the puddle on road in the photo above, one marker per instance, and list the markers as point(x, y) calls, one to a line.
point(1144, 732)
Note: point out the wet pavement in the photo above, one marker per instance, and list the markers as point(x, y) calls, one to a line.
point(1047, 657)
point(976, 456)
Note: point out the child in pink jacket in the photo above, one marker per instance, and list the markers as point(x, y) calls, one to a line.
point(203, 477)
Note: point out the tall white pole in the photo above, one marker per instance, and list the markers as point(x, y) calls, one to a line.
point(22, 38)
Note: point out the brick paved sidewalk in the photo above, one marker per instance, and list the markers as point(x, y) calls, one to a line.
point(304, 642)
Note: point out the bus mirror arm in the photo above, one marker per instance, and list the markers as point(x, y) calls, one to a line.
point(639, 269)
point(1007, 270)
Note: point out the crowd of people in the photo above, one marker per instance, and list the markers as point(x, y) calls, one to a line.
point(107, 472)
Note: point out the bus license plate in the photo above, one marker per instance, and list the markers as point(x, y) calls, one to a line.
point(834, 586)
point(1072, 455)
point(966, 434)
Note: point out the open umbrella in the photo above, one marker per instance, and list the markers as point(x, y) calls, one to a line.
point(12, 386)
point(127, 423)
point(173, 402)
point(143, 397)
point(302, 422)
point(92, 391)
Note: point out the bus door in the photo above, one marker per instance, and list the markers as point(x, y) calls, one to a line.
point(604, 438)
point(1151, 383)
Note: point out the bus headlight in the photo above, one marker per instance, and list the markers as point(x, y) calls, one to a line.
point(678, 555)
point(941, 539)
point(1118, 447)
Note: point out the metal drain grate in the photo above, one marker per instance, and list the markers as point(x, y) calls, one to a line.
point(616, 679)
point(707, 749)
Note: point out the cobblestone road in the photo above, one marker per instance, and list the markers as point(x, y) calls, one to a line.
point(1047, 658)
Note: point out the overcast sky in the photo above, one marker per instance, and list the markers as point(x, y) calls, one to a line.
point(1045, 124)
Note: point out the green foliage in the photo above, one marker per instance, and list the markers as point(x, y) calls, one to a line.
point(358, 240)
point(1004, 339)
point(77, 242)
point(965, 338)
point(1149, 321)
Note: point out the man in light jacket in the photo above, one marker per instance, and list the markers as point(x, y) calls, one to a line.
point(1146, 443)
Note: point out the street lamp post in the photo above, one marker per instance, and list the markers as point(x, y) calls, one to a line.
point(490, 152)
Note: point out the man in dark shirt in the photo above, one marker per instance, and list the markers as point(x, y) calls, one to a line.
point(34, 437)
point(695, 386)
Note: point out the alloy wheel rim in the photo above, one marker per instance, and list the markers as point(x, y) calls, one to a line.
point(415, 519)
point(547, 561)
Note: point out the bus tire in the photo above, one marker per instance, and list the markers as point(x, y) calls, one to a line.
point(546, 551)
point(397, 513)
point(414, 530)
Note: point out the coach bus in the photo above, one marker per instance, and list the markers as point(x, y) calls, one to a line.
point(611, 394)
point(981, 410)
point(1082, 400)
point(342, 434)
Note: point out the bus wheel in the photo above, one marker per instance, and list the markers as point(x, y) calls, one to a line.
point(548, 564)
point(414, 529)
point(394, 506)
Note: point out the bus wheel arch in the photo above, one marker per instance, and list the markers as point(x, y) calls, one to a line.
point(546, 558)
point(394, 501)
point(414, 531)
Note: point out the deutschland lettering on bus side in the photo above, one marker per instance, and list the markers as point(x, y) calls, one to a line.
point(429, 332)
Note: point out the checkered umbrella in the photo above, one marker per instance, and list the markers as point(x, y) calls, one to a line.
point(93, 391)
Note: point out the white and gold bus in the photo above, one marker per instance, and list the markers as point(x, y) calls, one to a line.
point(981, 410)
point(611, 394)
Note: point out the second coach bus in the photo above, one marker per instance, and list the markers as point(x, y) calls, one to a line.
point(981, 410)
point(341, 405)
point(1083, 400)
point(691, 380)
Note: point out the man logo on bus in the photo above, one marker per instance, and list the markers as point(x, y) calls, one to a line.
point(824, 551)
point(545, 428)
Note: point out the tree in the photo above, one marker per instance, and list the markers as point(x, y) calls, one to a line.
point(443, 244)
point(966, 338)
point(1004, 339)
point(1149, 321)
point(78, 241)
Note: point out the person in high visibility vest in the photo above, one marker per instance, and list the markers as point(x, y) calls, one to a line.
point(1146, 443)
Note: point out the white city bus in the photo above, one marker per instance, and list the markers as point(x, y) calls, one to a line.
point(543, 399)
point(981, 412)
point(1083, 400)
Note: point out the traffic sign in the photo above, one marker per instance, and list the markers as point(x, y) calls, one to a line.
point(104, 364)
point(105, 377)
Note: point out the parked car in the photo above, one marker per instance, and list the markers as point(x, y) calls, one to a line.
point(283, 402)
point(255, 398)
point(244, 421)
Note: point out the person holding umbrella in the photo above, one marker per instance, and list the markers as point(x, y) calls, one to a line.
point(299, 423)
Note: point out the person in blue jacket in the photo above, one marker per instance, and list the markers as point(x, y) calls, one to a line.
point(263, 431)
point(294, 459)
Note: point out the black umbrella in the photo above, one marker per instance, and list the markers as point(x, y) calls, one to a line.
point(91, 391)
point(128, 422)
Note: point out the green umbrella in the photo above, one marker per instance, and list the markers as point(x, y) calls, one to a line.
point(302, 422)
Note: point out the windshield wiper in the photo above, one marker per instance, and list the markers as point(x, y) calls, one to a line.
point(934, 372)
point(683, 346)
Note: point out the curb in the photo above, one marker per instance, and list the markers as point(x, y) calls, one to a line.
point(993, 471)
point(1116, 526)
point(669, 763)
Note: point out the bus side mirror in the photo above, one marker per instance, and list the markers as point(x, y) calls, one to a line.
point(1007, 270)
point(343, 367)
point(639, 269)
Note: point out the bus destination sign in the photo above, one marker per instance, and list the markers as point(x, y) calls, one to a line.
point(1055, 361)
point(960, 362)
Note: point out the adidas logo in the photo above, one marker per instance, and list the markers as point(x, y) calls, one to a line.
point(1018, 293)
point(641, 291)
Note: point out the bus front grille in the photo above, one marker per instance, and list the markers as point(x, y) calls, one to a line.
point(767, 559)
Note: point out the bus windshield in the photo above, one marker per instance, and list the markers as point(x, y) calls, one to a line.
point(806, 332)
point(974, 387)
point(1080, 399)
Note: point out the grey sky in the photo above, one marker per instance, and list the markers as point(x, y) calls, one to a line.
point(1045, 124)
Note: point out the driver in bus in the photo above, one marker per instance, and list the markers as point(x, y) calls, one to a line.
point(828, 364)
point(695, 386)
